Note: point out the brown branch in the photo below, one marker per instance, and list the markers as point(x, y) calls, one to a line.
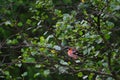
point(97, 26)
point(106, 42)
point(2, 23)
point(58, 41)
point(25, 46)
point(91, 71)
point(9, 65)
point(96, 72)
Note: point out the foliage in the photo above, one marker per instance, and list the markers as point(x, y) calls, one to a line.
point(33, 35)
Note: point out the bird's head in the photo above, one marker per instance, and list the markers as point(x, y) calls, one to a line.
point(67, 48)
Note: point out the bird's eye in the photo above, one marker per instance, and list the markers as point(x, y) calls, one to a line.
point(68, 49)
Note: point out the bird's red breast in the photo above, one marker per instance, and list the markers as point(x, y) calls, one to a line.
point(71, 53)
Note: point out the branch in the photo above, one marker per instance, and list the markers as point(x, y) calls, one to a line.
point(106, 42)
point(91, 71)
point(97, 26)
point(2, 23)
point(96, 72)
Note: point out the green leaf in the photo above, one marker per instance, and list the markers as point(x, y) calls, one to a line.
point(80, 33)
point(28, 21)
point(46, 72)
point(42, 39)
point(14, 41)
point(91, 76)
point(62, 69)
point(56, 47)
point(80, 74)
point(99, 40)
point(37, 74)
point(58, 12)
point(49, 37)
point(7, 23)
point(8, 76)
point(37, 66)
point(24, 74)
point(29, 60)
point(7, 73)
point(85, 77)
point(63, 62)
point(20, 24)
point(105, 64)
point(107, 36)
point(19, 64)
point(67, 1)
point(109, 78)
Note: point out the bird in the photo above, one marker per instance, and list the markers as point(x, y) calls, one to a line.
point(73, 53)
